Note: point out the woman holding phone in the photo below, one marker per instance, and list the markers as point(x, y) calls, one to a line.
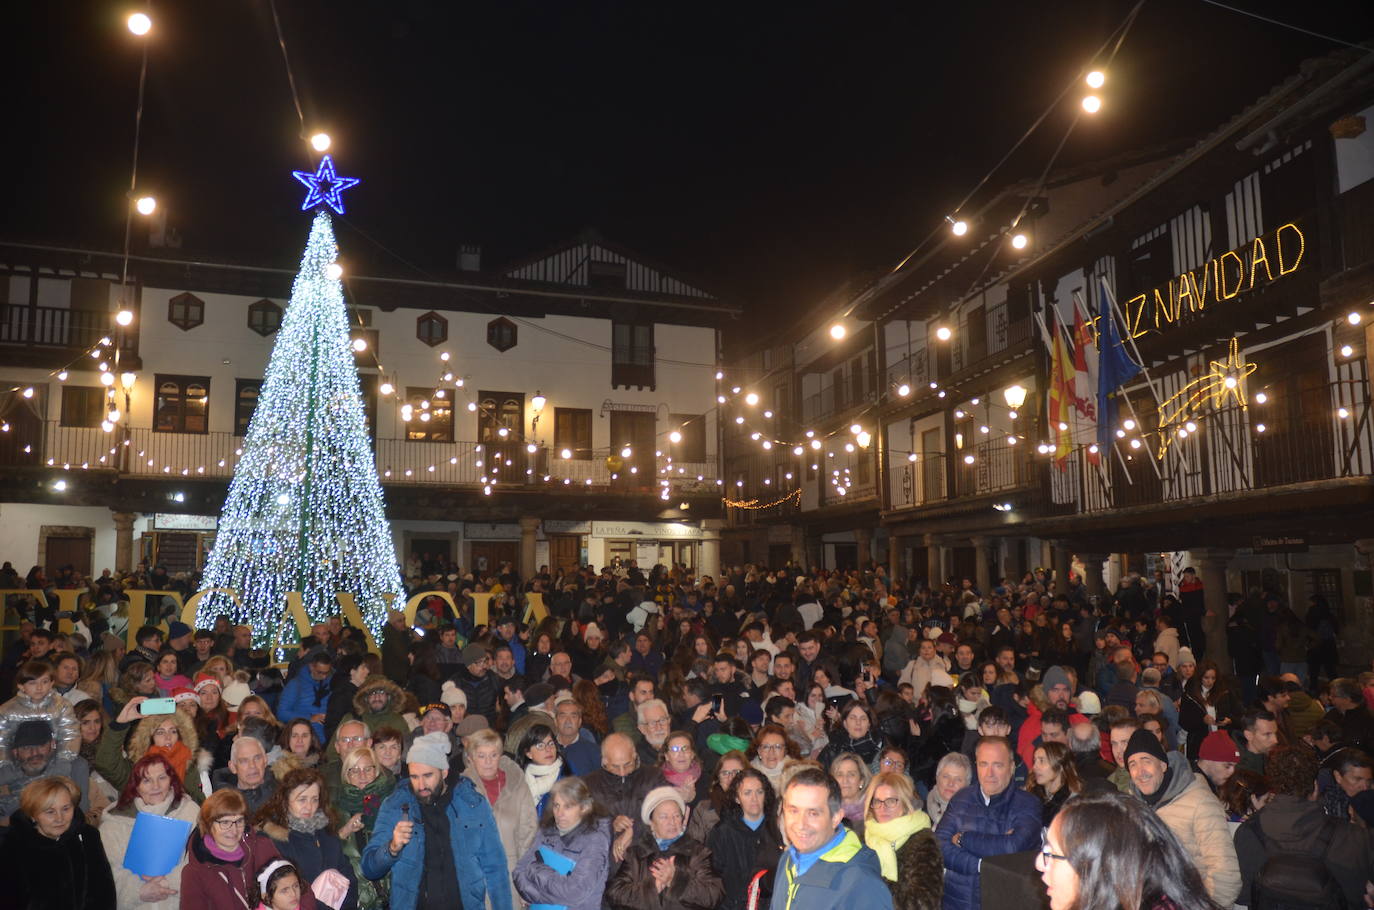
point(169, 733)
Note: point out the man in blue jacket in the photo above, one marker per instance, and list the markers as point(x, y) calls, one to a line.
point(988, 818)
point(826, 866)
point(307, 694)
point(439, 842)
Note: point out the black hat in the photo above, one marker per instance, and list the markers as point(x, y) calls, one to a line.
point(1147, 742)
point(32, 733)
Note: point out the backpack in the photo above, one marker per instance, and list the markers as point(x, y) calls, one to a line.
point(1292, 881)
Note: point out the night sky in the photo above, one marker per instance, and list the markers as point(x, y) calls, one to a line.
point(769, 149)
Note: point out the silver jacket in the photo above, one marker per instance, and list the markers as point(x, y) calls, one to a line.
point(54, 709)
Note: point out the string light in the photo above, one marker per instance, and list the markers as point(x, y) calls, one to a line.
point(145, 205)
point(838, 331)
point(307, 442)
point(139, 23)
point(320, 142)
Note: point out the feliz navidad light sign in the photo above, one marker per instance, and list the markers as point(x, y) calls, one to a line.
point(1261, 262)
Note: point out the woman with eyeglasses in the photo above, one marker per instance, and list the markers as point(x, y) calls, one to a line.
point(682, 768)
point(901, 834)
point(225, 856)
point(707, 813)
point(747, 839)
point(772, 752)
point(542, 760)
point(1053, 779)
point(365, 783)
point(1109, 851)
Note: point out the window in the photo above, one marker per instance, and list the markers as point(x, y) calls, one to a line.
point(182, 405)
point(186, 311)
point(501, 334)
point(572, 430)
point(632, 355)
point(246, 392)
point(438, 426)
point(431, 328)
point(264, 317)
point(692, 448)
point(601, 274)
point(82, 406)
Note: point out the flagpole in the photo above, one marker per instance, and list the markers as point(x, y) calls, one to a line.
point(1101, 466)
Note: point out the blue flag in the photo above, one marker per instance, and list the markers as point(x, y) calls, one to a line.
point(1114, 368)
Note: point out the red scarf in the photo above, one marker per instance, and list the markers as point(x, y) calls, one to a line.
point(179, 756)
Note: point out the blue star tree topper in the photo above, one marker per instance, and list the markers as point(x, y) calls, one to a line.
point(325, 185)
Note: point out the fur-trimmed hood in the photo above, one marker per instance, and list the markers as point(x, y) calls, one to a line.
point(396, 697)
point(142, 736)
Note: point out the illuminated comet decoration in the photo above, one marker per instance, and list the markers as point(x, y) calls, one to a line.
point(1225, 379)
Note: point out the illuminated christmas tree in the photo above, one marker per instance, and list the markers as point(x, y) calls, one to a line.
point(305, 510)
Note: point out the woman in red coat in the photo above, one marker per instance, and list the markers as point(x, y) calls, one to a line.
point(224, 858)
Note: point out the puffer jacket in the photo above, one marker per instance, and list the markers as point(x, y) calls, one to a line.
point(588, 846)
point(1199, 822)
point(54, 709)
point(848, 875)
point(695, 885)
point(114, 761)
point(478, 858)
point(739, 852)
point(514, 809)
point(1007, 823)
point(481, 692)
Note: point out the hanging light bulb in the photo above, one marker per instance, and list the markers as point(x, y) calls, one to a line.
point(944, 333)
point(1091, 104)
point(320, 142)
point(1096, 79)
point(751, 399)
point(333, 271)
point(124, 317)
point(675, 437)
point(1019, 241)
point(838, 331)
point(145, 205)
point(139, 24)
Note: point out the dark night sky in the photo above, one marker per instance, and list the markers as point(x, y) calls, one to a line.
point(771, 149)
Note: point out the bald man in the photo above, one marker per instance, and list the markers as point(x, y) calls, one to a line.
point(620, 785)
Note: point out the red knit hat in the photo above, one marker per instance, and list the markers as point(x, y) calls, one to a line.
point(1218, 746)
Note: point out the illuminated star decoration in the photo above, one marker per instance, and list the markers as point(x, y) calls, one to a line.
point(325, 186)
point(1224, 379)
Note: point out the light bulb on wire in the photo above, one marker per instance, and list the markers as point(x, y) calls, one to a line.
point(320, 142)
point(838, 331)
point(145, 205)
point(1020, 241)
point(1091, 104)
point(1096, 79)
point(139, 24)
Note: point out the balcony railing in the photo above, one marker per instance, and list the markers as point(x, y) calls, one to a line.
point(834, 400)
point(399, 461)
point(56, 327)
point(1232, 451)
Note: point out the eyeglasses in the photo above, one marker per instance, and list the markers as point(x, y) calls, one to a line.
point(358, 770)
point(229, 823)
point(892, 802)
point(727, 774)
point(772, 747)
point(545, 744)
point(1046, 854)
point(663, 722)
point(892, 763)
point(679, 747)
point(352, 740)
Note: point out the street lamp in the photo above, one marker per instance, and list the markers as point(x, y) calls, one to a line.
point(1015, 396)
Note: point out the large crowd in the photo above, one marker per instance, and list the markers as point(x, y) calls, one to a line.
point(802, 740)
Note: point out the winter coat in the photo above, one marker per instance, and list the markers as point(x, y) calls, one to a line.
point(115, 762)
point(70, 873)
point(54, 709)
point(1199, 822)
point(312, 853)
point(738, 853)
point(209, 883)
point(623, 795)
point(393, 715)
point(13, 780)
point(846, 876)
point(396, 653)
point(920, 874)
point(481, 691)
point(695, 884)
point(588, 846)
point(304, 697)
point(117, 826)
point(1007, 823)
point(514, 809)
point(256, 798)
point(478, 858)
point(1292, 825)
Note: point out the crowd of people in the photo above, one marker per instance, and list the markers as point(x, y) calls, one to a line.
point(801, 740)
